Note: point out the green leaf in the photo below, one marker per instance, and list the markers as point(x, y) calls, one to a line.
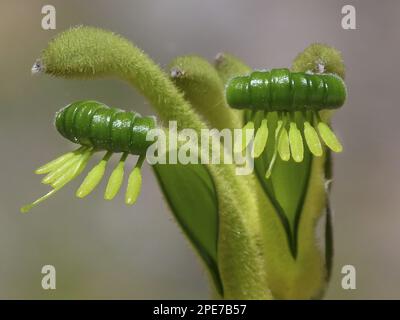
point(191, 196)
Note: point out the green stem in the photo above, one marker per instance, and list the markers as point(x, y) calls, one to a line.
point(86, 52)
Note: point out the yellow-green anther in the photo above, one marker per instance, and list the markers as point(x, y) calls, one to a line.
point(296, 143)
point(28, 207)
point(60, 171)
point(73, 171)
point(283, 144)
point(261, 138)
point(240, 147)
point(70, 174)
point(93, 178)
point(329, 137)
point(134, 185)
point(55, 164)
point(312, 139)
point(116, 178)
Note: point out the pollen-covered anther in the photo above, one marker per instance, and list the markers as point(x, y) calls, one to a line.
point(94, 177)
point(312, 139)
point(296, 142)
point(134, 183)
point(116, 179)
point(61, 171)
point(328, 136)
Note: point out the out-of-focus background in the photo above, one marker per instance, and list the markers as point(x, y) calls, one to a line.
point(107, 250)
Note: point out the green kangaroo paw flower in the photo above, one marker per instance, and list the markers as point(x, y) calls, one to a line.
point(116, 178)
point(58, 162)
point(329, 137)
point(296, 143)
point(88, 53)
point(261, 138)
point(312, 139)
point(93, 178)
point(283, 144)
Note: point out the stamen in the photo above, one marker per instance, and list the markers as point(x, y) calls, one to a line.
point(28, 207)
point(312, 139)
point(116, 178)
point(261, 138)
point(134, 183)
point(56, 163)
point(283, 142)
point(94, 177)
point(64, 168)
point(328, 136)
point(64, 179)
point(278, 131)
point(296, 142)
point(73, 171)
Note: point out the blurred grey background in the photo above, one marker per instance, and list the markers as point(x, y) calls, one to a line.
point(106, 250)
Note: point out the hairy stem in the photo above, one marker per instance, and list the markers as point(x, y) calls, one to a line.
point(86, 52)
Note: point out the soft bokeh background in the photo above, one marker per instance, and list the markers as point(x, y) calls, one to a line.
point(106, 250)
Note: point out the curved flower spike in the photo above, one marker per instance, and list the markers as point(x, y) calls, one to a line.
point(296, 95)
point(126, 132)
